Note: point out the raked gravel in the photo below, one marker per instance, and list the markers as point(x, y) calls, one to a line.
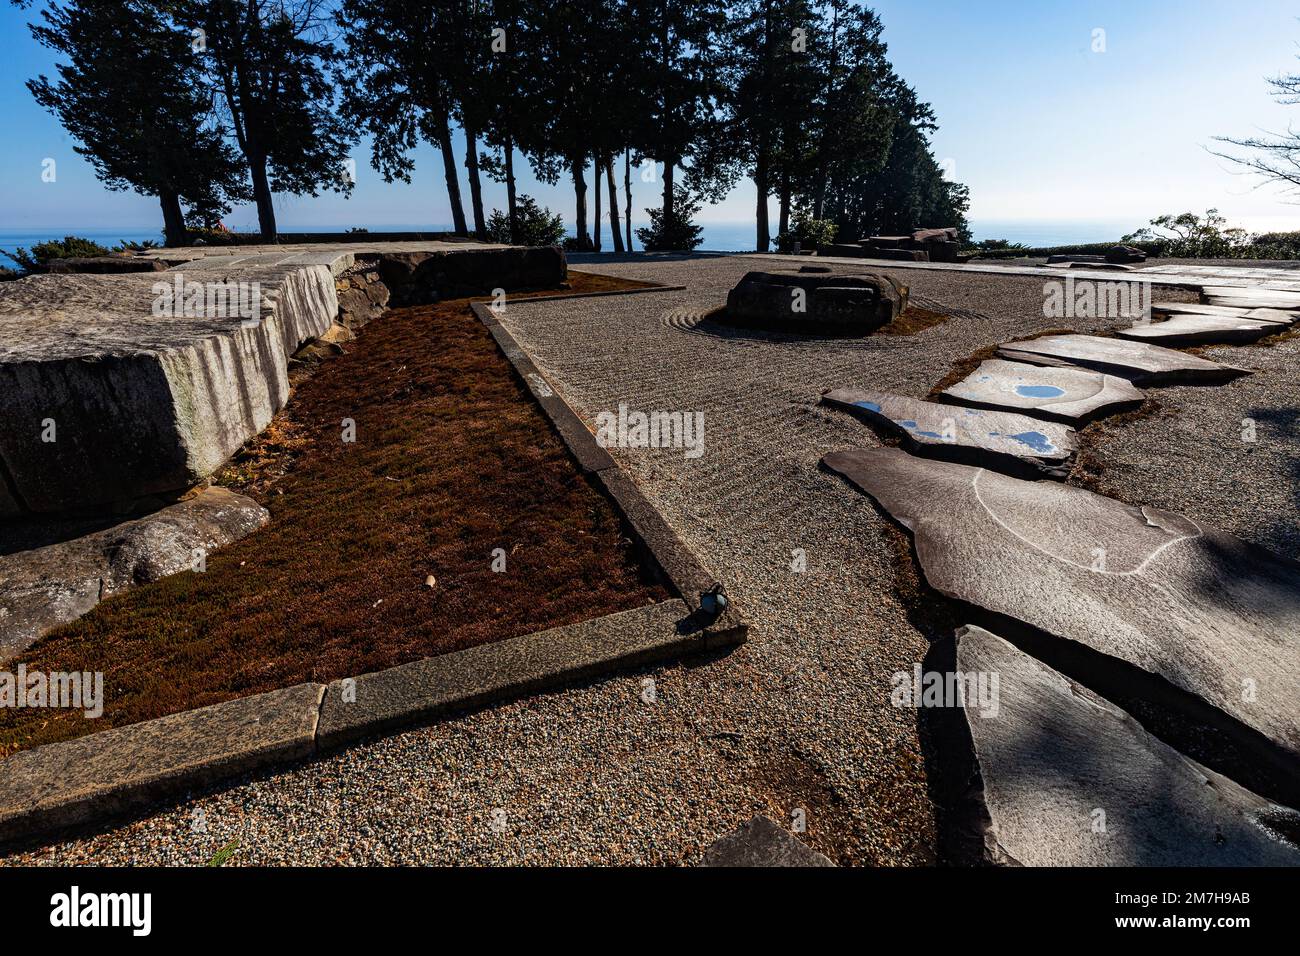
point(651, 766)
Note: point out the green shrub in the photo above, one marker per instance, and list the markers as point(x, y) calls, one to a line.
point(536, 225)
point(673, 232)
point(41, 254)
point(808, 232)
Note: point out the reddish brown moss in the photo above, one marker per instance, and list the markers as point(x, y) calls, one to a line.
point(453, 458)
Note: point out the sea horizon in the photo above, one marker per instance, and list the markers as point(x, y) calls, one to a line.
point(718, 236)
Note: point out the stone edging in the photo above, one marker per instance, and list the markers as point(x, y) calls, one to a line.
point(125, 769)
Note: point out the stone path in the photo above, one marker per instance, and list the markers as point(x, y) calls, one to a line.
point(1200, 330)
point(1072, 396)
point(1068, 777)
point(1002, 440)
point(1139, 362)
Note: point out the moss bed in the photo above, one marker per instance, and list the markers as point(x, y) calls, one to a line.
point(452, 459)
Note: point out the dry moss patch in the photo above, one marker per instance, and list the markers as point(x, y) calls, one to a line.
point(452, 460)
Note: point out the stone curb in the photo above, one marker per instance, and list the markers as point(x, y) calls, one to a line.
point(115, 772)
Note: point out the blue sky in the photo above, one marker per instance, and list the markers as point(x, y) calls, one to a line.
point(1036, 123)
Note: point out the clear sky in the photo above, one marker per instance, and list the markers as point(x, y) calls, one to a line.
point(1036, 123)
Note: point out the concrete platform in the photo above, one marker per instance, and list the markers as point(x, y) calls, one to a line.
point(1069, 779)
point(1004, 441)
point(1200, 330)
point(1207, 612)
point(114, 387)
point(1068, 395)
point(1139, 362)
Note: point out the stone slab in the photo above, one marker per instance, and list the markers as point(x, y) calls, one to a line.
point(50, 584)
point(1140, 362)
point(127, 768)
point(460, 680)
point(147, 400)
point(761, 842)
point(851, 304)
point(1069, 395)
point(1286, 298)
point(1055, 754)
point(1280, 316)
point(1205, 611)
point(1005, 441)
point(1199, 330)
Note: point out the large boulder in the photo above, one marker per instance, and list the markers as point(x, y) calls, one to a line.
point(803, 302)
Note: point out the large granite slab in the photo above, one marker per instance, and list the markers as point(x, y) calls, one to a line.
point(1069, 779)
point(1280, 316)
point(118, 387)
point(1207, 612)
point(1002, 440)
point(1069, 395)
point(1139, 362)
point(1199, 330)
point(48, 584)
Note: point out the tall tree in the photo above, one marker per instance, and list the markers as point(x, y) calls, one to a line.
point(398, 87)
point(134, 97)
point(269, 59)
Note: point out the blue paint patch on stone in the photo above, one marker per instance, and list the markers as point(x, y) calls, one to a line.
point(1039, 391)
point(1035, 440)
point(869, 406)
point(908, 424)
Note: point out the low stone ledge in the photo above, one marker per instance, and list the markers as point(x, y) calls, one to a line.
point(45, 585)
point(127, 768)
point(419, 691)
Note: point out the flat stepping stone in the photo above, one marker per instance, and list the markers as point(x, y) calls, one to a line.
point(1139, 362)
point(1207, 612)
point(1002, 440)
point(761, 842)
point(1254, 292)
point(1200, 330)
point(1069, 779)
point(1069, 395)
point(1280, 316)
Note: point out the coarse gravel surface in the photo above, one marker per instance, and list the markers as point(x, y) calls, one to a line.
point(651, 766)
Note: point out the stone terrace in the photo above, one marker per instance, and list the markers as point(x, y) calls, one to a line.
point(800, 716)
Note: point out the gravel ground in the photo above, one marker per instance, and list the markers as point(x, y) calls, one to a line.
point(798, 718)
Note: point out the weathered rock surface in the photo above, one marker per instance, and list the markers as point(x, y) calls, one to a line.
point(1280, 316)
point(1251, 297)
point(1139, 362)
point(1005, 441)
point(148, 397)
point(104, 265)
point(42, 587)
point(1068, 395)
point(1069, 779)
point(1208, 612)
point(849, 304)
point(1199, 330)
point(761, 842)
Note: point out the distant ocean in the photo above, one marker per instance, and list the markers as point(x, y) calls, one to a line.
point(718, 236)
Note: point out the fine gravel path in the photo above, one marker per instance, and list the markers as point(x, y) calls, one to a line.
point(799, 718)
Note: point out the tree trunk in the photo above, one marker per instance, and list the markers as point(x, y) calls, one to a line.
point(616, 237)
point(595, 223)
point(262, 196)
point(669, 198)
point(453, 181)
point(510, 188)
point(627, 191)
point(760, 210)
point(475, 184)
point(173, 218)
point(783, 223)
point(580, 202)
